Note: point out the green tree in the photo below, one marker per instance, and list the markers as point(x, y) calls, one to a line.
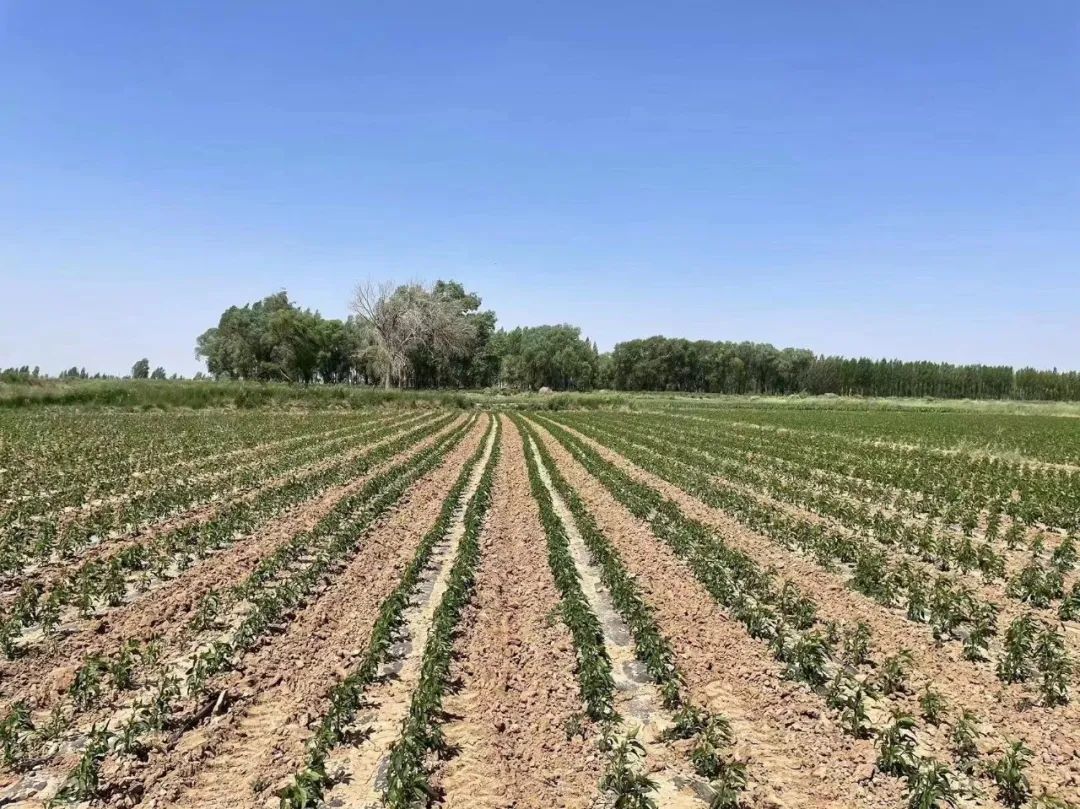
point(556, 357)
point(269, 340)
point(140, 370)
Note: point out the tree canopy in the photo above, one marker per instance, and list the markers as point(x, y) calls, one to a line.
point(440, 336)
point(274, 340)
point(412, 335)
point(547, 356)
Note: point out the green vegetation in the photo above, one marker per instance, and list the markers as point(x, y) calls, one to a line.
point(280, 583)
point(346, 698)
point(407, 776)
point(105, 580)
point(703, 366)
point(711, 734)
point(830, 538)
point(201, 394)
point(594, 666)
point(410, 336)
point(418, 337)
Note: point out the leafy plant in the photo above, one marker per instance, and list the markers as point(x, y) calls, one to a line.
point(892, 678)
point(307, 788)
point(1015, 665)
point(122, 668)
point(687, 722)
point(848, 696)
point(809, 656)
point(857, 644)
point(84, 782)
point(708, 753)
point(933, 705)
point(931, 787)
point(1070, 605)
point(625, 779)
point(896, 745)
point(728, 787)
point(1053, 665)
point(1009, 774)
point(963, 740)
point(983, 627)
point(86, 688)
point(13, 743)
point(1065, 556)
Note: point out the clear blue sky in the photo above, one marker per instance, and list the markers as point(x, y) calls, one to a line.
point(880, 178)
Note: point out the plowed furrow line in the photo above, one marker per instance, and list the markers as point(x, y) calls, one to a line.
point(1006, 710)
point(637, 699)
point(996, 592)
point(514, 719)
point(47, 671)
point(796, 755)
point(179, 690)
point(284, 687)
point(151, 482)
point(46, 575)
point(361, 769)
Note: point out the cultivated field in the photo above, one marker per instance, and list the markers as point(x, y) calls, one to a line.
point(685, 604)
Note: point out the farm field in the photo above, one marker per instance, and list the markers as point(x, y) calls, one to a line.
point(679, 604)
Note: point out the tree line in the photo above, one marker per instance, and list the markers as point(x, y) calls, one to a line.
point(408, 336)
point(140, 370)
point(439, 336)
point(702, 366)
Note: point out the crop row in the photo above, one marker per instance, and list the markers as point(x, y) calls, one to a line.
point(593, 666)
point(280, 584)
point(828, 661)
point(924, 595)
point(52, 460)
point(1037, 581)
point(310, 784)
point(408, 778)
point(818, 465)
point(964, 481)
point(64, 536)
point(1040, 438)
point(711, 733)
point(108, 580)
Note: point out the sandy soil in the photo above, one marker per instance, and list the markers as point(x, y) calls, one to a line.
point(283, 687)
point(1006, 710)
point(41, 676)
point(147, 482)
point(638, 701)
point(1012, 456)
point(995, 591)
point(48, 574)
point(518, 690)
point(797, 755)
point(363, 767)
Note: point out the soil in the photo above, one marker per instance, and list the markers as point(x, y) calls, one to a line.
point(44, 673)
point(519, 696)
point(637, 698)
point(283, 688)
point(1006, 710)
point(49, 573)
point(796, 755)
point(363, 767)
point(514, 718)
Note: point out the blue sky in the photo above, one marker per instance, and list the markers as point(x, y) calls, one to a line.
point(888, 179)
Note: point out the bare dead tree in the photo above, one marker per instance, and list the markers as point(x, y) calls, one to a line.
point(375, 306)
point(406, 318)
